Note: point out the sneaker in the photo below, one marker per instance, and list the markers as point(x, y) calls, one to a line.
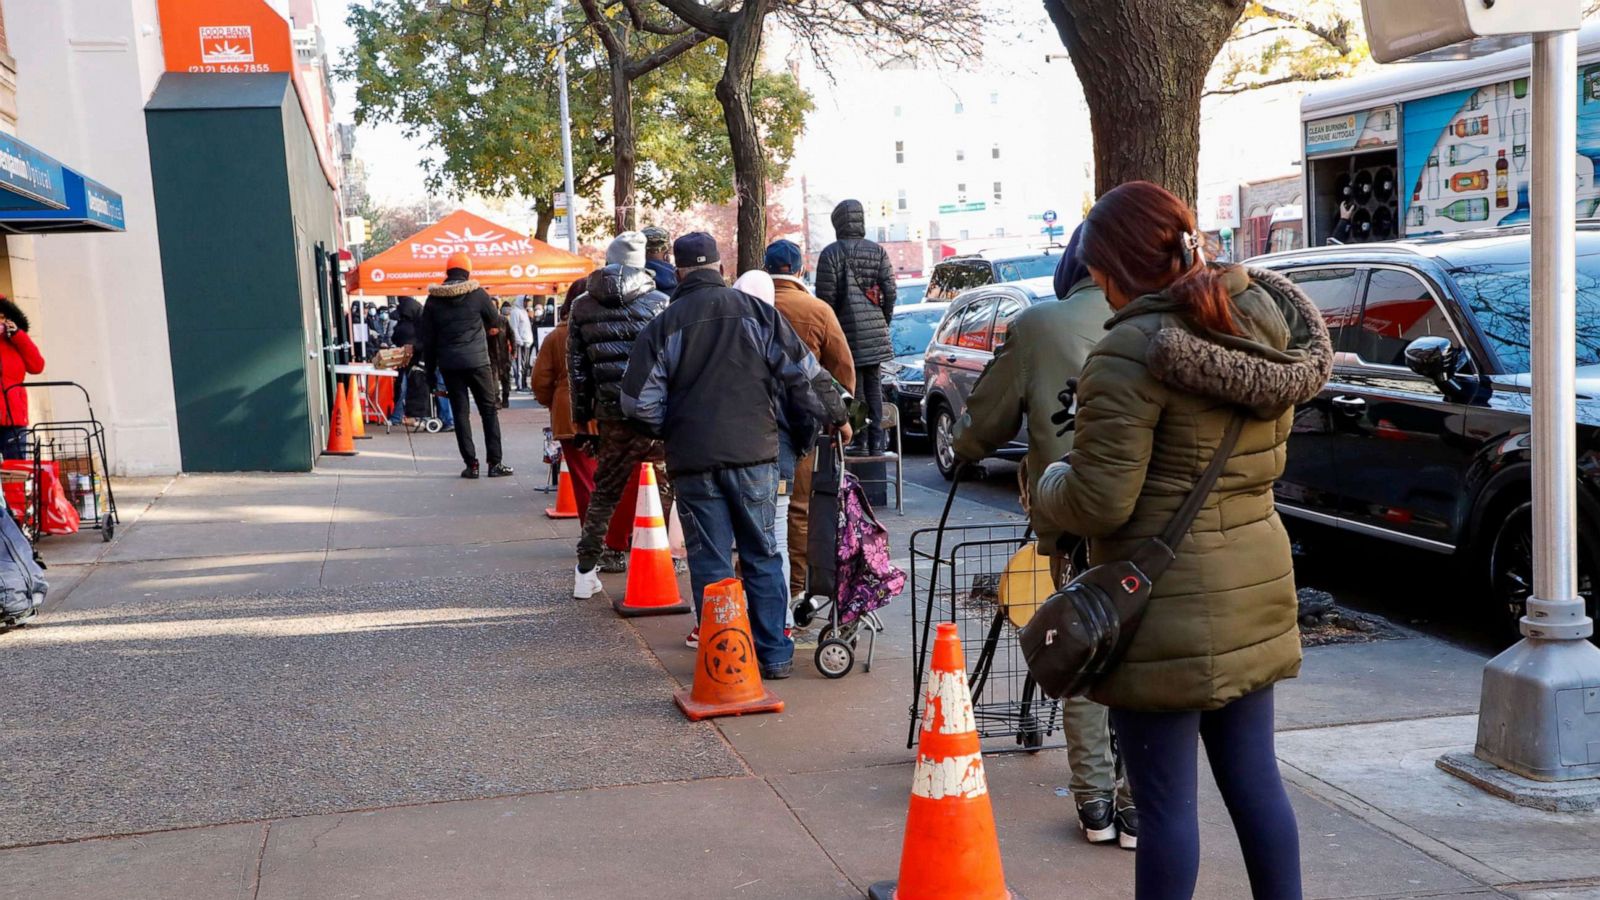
point(693, 640)
point(778, 672)
point(501, 470)
point(1097, 819)
point(680, 567)
point(470, 471)
point(613, 562)
point(1127, 820)
point(585, 584)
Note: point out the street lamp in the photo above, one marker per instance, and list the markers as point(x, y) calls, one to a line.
point(1539, 711)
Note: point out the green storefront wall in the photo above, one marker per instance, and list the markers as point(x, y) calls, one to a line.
point(240, 202)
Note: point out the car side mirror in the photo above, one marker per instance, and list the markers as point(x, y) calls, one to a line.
point(1434, 358)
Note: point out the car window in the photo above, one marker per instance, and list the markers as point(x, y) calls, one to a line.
point(950, 326)
point(1007, 309)
point(1041, 266)
point(1399, 309)
point(951, 278)
point(909, 293)
point(976, 320)
point(1496, 294)
point(911, 332)
point(1335, 293)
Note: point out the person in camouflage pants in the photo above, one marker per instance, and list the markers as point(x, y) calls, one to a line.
point(622, 449)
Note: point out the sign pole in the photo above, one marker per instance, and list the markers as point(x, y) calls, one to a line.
point(566, 123)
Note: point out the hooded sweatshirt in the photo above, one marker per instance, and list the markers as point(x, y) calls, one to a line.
point(854, 277)
point(620, 301)
point(19, 358)
point(456, 323)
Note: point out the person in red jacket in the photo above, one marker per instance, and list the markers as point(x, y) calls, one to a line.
point(19, 358)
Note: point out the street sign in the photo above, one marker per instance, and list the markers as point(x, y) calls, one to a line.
point(1049, 217)
point(1053, 231)
point(977, 206)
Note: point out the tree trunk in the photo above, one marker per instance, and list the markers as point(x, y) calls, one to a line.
point(547, 216)
point(744, 140)
point(1143, 66)
point(624, 144)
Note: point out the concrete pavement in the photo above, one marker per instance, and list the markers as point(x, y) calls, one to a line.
point(370, 682)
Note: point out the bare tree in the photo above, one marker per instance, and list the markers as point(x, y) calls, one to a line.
point(1289, 41)
point(1143, 65)
point(938, 29)
point(617, 27)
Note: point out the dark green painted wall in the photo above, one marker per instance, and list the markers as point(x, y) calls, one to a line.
point(228, 191)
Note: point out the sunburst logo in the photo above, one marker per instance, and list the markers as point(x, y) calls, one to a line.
point(227, 44)
point(468, 236)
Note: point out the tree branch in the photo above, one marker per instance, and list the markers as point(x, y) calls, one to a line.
point(597, 20)
point(641, 22)
point(644, 65)
point(1337, 36)
point(712, 21)
point(1272, 82)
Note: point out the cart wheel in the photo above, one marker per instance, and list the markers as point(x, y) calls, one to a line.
point(834, 658)
point(826, 634)
point(804, 612)
point(108, 529)
point(1031, 735)
point(433, 426)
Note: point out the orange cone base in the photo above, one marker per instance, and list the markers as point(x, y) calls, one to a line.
point(551, 512)
point(671, 609)
point(884, 890)
point(766, 703)
point(338, 453)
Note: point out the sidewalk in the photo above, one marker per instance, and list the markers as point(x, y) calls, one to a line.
point(371, 681)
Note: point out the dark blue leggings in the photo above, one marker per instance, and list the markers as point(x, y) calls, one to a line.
point(1160, 749)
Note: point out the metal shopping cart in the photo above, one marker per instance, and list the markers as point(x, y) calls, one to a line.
point(987, 579)
point(72, 451)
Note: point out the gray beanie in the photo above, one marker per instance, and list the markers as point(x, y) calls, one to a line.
point(626, 250)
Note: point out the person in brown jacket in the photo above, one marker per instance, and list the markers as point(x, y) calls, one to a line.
point(551, 390)
point(819, 329)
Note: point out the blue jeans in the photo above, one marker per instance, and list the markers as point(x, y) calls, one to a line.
point(398, 414)
point(445, 415)
point(1161, 752)
point(729, 508)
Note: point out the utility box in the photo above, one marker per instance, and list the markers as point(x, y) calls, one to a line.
point(1403, 29)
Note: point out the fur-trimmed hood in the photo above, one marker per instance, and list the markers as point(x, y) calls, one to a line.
point(1283, 358)
point(14, 313)
point(452, 289)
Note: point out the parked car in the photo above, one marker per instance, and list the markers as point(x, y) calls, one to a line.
point(973, 325)
point(1421, 437)
point(910, 291)
point(960, 273)
point(904, 378)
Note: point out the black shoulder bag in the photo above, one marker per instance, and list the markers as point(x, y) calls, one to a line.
point(1083, 630)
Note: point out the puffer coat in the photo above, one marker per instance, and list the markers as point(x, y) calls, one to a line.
point(604, 323)
point(845, 271)
point(1154, 400)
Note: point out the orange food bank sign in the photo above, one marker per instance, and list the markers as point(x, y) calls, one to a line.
point(225, 36)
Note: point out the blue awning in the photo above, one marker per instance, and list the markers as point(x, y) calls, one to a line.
point(39, 195)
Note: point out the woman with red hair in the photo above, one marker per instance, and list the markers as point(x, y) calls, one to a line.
point(1195, 352)
point(19, 358)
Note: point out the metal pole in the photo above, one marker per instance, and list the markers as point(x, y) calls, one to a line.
point(566, 123)
point(1555, 611)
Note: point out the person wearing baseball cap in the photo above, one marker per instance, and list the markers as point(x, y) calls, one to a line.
point(457, 322)
point(656, 240)
point(713, 375)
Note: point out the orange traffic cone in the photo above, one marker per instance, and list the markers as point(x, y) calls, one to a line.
point(727, 676)
point(566, 501)
point(652, 585)
point(358, 413)
point(950, 849)
point(339, 442)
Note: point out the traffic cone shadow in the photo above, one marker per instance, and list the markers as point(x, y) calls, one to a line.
point(951, 850)
point(339, 441)
point(652, 588)
point(727, 675)
point(566, 501)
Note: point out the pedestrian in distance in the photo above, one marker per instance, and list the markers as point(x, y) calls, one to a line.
point(522, 341)
point(456, 325)
point(19, 358)
point(655, 258)
point(710, 375)
point(407, 321)
point(854, 277)
point(551, 388)
point(500, 350)
point(620, 301)
point(1196, 355)
point(1044, 348)
point(818, 328)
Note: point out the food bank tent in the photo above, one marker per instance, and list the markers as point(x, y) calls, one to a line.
point(504, 262)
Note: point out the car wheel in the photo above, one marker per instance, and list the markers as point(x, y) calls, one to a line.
point(944, 451)
point(1511, 568)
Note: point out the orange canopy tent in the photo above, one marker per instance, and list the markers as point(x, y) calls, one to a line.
point(504, 262)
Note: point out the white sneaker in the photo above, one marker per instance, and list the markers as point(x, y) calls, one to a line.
point(585, 584)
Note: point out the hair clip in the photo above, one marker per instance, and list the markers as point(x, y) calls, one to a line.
point(1190, 244)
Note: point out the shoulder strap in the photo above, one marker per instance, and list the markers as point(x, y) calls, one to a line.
point(1180, 524)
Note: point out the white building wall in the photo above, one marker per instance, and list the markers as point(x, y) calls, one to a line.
point(85, 69)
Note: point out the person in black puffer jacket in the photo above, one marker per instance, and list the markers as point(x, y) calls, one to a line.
point(621, 300)
point(855, 278)
point(456, 324)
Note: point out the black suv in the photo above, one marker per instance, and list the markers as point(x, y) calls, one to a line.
point(1421, 436)
point(959, 273)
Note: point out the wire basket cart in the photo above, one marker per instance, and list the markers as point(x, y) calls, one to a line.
point(960, 574)
point(76, 450)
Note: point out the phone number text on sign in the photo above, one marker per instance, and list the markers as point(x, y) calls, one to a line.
point(232, 69)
